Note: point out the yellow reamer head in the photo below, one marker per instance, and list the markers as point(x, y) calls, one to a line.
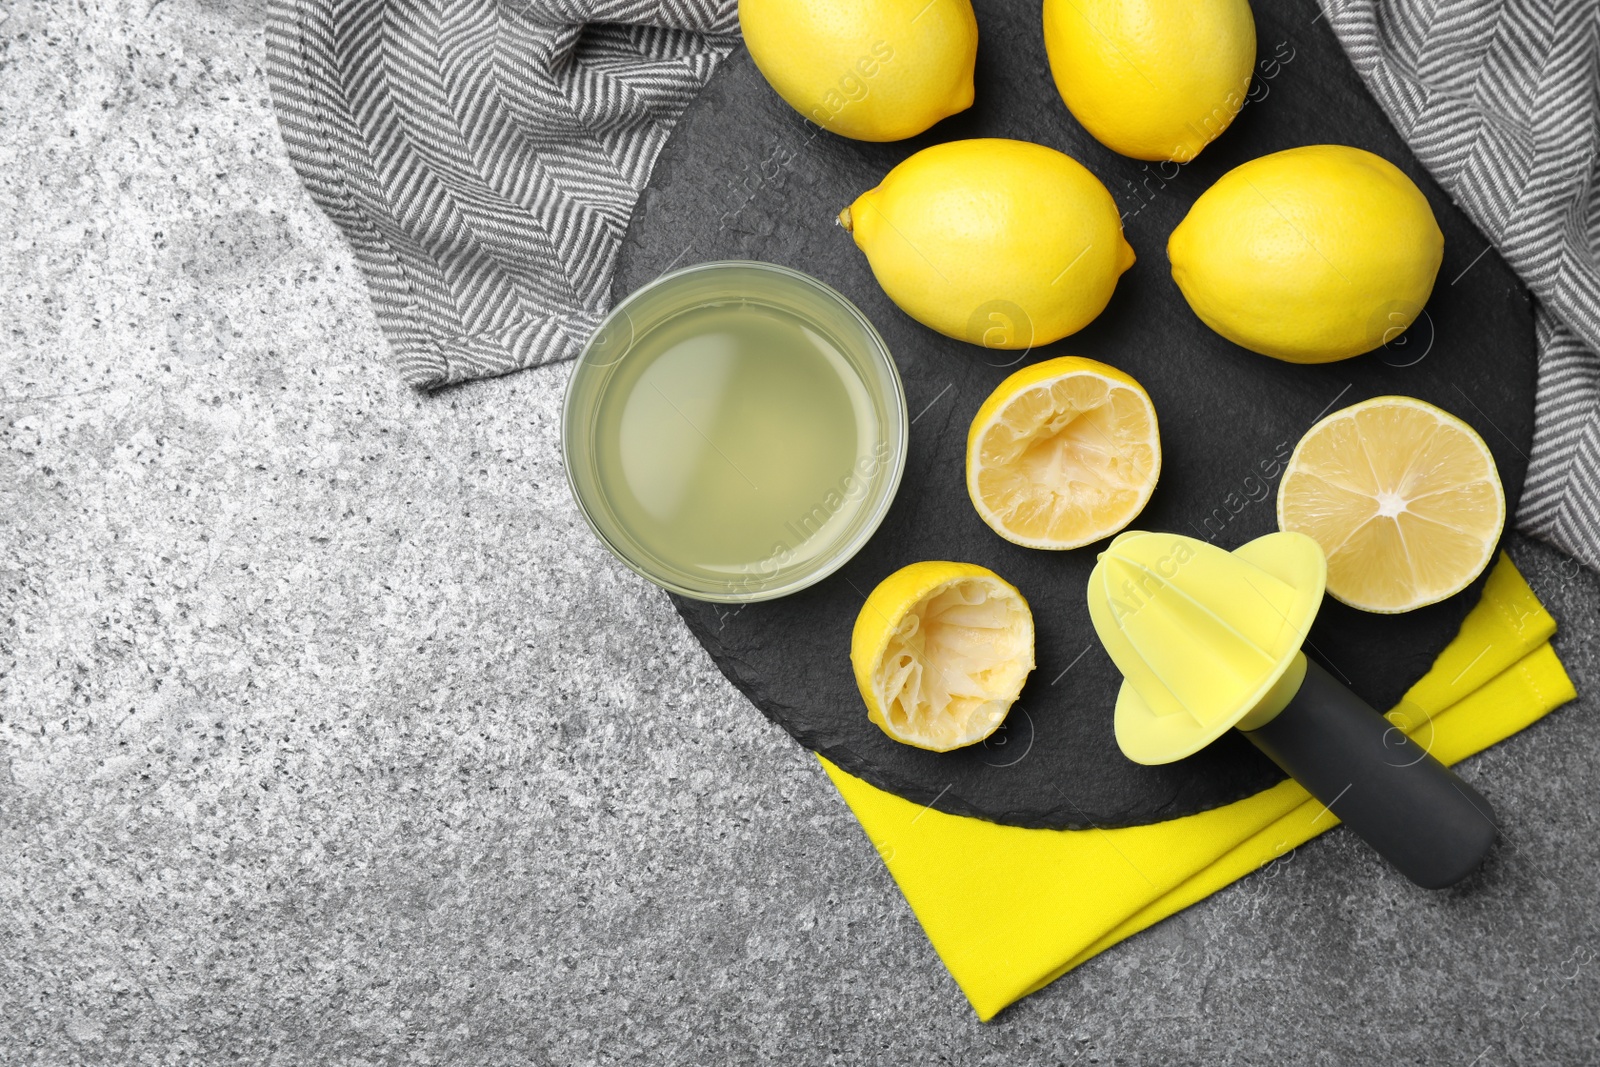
point(1203, 637)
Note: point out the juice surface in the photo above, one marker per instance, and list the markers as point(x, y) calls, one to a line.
point(735, 439)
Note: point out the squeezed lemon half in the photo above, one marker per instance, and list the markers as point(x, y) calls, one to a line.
point(1063, 453)
point(940, 652)
point(1403, 497)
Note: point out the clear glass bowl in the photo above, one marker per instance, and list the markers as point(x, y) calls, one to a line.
point(734, 431)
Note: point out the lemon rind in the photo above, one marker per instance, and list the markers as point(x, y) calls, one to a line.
point(1491, 545)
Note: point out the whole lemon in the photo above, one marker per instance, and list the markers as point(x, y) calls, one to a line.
point(1002, 243)
point(1152, 79)
point(874, 70)
point(1309, 255)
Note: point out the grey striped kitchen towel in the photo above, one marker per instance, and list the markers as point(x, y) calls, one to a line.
point(483, 157)
point(1498, 99)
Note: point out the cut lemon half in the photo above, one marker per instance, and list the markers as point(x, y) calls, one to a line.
point(940, 652)
point(1063, 453)
point(1403, 497)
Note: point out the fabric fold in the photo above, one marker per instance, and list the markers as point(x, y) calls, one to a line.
point(483, 157)
point(1010, 910)
point(1498, 99)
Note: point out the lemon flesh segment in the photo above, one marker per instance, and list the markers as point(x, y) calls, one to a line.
point(1403, 497)
point(1309, 255)
point(872, 70)
point(1152, 79)
point(940, 652)
point(1063, 453)
point(1000, 243)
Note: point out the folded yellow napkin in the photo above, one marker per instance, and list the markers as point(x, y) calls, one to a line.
point(1010, 910)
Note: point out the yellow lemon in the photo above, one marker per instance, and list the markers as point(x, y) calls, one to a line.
point(1002, 243)
point(1063, 453)
point(1309, 255)
point(1152, 79)
point(1403, 497)
point(940, 652)
point(874, 70)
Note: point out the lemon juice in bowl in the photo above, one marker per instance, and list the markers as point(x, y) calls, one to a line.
point(734, 431)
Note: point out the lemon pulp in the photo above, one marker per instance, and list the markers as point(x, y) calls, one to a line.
point(1403, 497)
point(1063, 453)
point(941, 651)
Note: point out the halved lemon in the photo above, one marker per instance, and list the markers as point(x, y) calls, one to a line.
point(1063, 453)
point(940, 652)
point(1403, 497)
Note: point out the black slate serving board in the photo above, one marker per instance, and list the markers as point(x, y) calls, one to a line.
point(745, 177)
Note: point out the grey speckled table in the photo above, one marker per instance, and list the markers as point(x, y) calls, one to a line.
point(330, 736)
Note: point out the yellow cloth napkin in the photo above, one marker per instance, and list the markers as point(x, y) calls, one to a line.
point(1010, 910)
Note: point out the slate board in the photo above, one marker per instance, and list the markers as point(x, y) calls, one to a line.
point(745, 177)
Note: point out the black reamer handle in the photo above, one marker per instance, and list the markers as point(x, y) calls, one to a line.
point(1431, 825)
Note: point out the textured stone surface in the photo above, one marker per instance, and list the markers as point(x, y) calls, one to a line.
point(329, 735)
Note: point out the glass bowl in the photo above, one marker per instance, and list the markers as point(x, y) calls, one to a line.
point(734, 431)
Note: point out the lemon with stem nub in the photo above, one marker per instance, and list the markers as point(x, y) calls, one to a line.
point(1309, 255)
point(874, 70)
point(940, 652)
point(1063, 453)
point(1002, 243)
point(1152, 79)
point(1404, 498)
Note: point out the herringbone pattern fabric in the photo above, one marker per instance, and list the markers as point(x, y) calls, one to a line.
point(1498, 100)
point(483, 157)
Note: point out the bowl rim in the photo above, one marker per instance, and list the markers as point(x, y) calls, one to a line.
point(895, 400)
